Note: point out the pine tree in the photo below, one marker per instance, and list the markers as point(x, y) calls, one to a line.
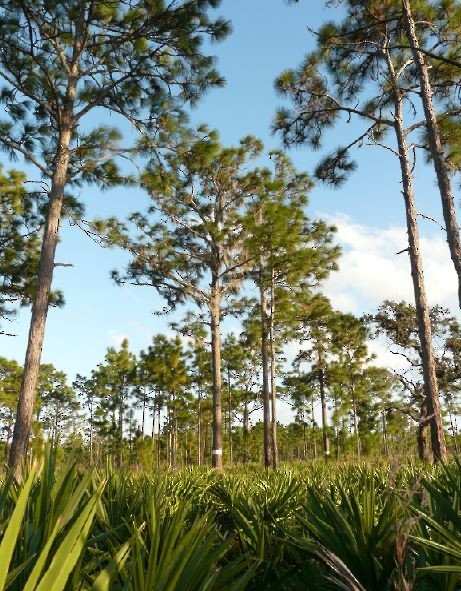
point(359, 69)
point(290, 255)
point(434, 135)
point(62, 61)
point(21, 221)
point(188, 246)
point(397, 321)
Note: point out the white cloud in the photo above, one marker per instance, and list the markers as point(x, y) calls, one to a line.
point(371, 271)
point(116, 337)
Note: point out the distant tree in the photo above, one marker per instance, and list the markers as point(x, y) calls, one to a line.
point(193, 327)
point(87, 394)
point(62, 61)
point(115, 380)
point(21, 221)
point(290, 255)
point(189, 242)
point(10, 383)
point(397, 321)
point(58, 407)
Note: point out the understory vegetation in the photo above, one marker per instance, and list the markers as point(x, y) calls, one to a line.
point(315, 525)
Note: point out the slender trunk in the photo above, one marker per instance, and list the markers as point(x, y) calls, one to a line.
point(199, 428)
point(422, 310)
point(120, 435)
point(91, 432)
point(246, 427)
point(314, 435)
point(158, 436)
point(23, 423)
point(265, 375)
point(354, 416)
point(384, 429)
point(275, 451)
point(174, 447)
point(229, 391)
point(144, 404)
point(323, 400)
point(453, 428)
point(423, 434)
point(304, 441)
point(205, 443)
point(152, 449)
point(435, 145)
point(215, 311)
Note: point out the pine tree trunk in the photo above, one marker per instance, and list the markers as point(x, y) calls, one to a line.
point(323, 401)
point(215, 310)
point(229, 410)
point(435, 145)
point(265, 376)
point(144, 404)
point(23, 423)
point(423, 434)
point(275, 451)
point(246, 427)
point(314, 435)
point(422, 310)
point(354, 416)
point(199, 428)
point(384, 432)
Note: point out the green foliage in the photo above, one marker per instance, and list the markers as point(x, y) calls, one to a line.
point(324, 526)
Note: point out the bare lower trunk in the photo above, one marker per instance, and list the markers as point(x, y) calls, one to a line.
point(23, 423)
point(435, 145)
point(323, 401)
point(215, 310)
point(384, 433)
point(423, 434)
point(355, 417)
point(314, 435)
point(229, 391)
point(199, 429)
point(422, 310)
point(265, 378)
point(144, 404)
point(246, 428)
point(275, 451)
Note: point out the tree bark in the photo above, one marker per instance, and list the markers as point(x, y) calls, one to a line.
point(423, 434)
point(422, 310)
point(23, 423)
point(246, 426)
point(435, 145)
point(354, 415)
point(275, 451)
point(199, 428)
point(215, 311)
point(323, 401)
point(265, 376)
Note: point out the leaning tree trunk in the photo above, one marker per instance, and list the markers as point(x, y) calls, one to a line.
point(23, 423)
point(439, 450)
point(265, 376)
point(435, 145)
point(275, 451)
point(215, 311)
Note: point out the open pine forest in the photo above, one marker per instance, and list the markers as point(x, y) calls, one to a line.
point(276, 431)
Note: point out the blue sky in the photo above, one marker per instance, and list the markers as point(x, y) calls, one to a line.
point(268, 36)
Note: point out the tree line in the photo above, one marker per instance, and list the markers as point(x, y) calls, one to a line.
point(215, 225)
